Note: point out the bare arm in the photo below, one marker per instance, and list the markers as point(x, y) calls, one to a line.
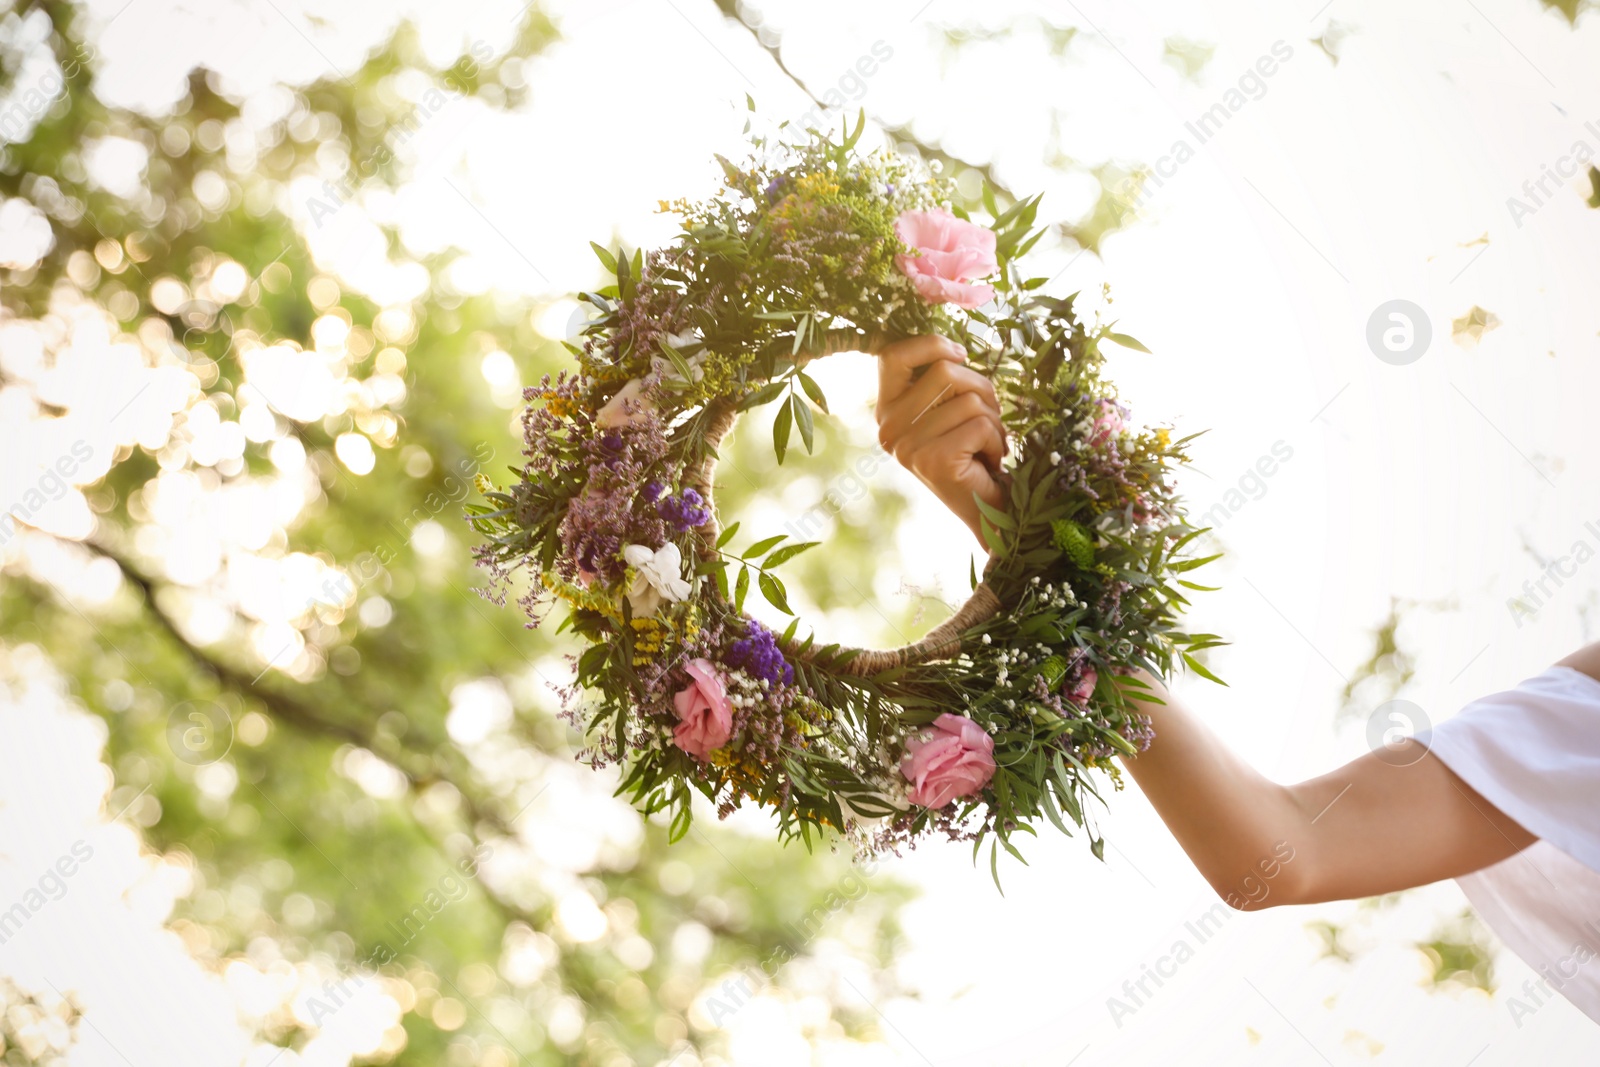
point(1369, 827)
point(1373, 826)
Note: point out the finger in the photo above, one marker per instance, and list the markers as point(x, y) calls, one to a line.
point(899, 362)
point(934, 435)
point(939, 385)
point(947, 465)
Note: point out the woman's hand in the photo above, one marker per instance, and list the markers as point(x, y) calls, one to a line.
point(941, 420)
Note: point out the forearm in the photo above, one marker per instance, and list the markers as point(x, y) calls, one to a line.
point(1225, 814)
point(1372, 826)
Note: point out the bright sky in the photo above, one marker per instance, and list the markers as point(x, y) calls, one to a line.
point(1333, 190)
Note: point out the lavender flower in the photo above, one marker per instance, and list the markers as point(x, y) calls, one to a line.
point(683, 512)
point(758, 655)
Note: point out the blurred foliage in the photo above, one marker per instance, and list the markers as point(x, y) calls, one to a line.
point(1331, 39)
point(1387, 671)
point(344, 796)
point(1187, 57)
point(1571, 9)
point(31, 1034)
point(1460, 955)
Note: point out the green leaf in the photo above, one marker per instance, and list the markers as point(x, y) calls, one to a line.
point(814, 391)
point(679, 364)
point(761, 546)
point(679, 827)
point(731, 172)
point(780, 431)
point(1125, 341)
point(727, 535)
point(608, 260)
point(765, 395)
point(992, 538)
point(1000, 519)
point(861, 124)
point(1199, 668)
point(1191, 564)
point(802, 415)
point(788, 552)
point(740, 588)
point(776, 595)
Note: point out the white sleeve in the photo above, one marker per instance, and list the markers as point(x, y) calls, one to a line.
point(1534, 753)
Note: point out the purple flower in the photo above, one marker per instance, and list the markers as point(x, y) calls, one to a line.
point(684, 511)
point(758, 655)
point(652, 490)
point(774, 186)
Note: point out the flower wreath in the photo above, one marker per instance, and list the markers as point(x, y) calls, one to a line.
point(998, 715)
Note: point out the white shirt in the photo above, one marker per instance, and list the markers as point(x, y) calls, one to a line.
point(1534, 753)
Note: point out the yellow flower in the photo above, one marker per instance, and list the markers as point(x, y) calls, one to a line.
point(1163, 436)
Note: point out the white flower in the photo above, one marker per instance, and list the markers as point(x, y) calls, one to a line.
point(1055, 459)
point(658, 575)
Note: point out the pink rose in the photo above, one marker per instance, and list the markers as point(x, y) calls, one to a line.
point(1083, 688)
point(626, 408)
point(1107, 423)
point(952, 760)
point(950, 253)
point(705, 717)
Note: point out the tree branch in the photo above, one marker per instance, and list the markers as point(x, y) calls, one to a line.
point(897, 134)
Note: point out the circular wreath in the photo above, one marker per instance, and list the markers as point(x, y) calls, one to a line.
point(998, 715)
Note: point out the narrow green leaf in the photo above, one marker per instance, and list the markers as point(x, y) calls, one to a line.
point(1199, 668)
point(788, 552)
point(814, 391)
point(776, 595)
point(1125, 341)
point(999, 518)
point(780, 431)
point(740, 588)
point(608, 260)
point(765, 395)
point(761, 546)
point(992, 538)
point(802, 415)
point(727, 535)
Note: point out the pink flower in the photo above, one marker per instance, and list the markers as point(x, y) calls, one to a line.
point(626, 408)
point(949, 254)
point(952, 760)
point(705, 716)
point(1083, 689)
point(1107, 423)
